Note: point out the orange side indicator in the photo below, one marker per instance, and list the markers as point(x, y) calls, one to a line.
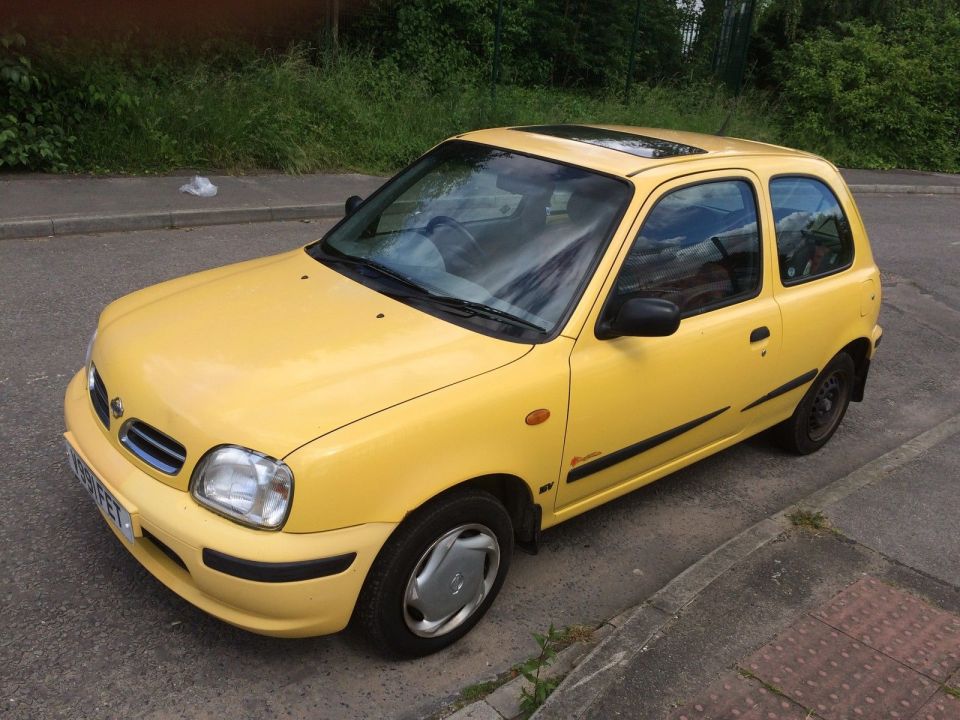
point(578, 460)
point(537, 416)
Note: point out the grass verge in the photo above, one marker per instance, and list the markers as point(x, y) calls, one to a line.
point(297, 112)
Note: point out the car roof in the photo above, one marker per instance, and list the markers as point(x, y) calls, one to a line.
point(622, 149)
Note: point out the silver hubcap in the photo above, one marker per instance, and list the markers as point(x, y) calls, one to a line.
point(451, 580)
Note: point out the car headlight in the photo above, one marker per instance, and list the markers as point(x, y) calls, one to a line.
point(244, 485)
point(88, 361)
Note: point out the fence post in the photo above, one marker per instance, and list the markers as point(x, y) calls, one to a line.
point(730, 53)
point(745, 31)
point(633, 53)
point(496, 52)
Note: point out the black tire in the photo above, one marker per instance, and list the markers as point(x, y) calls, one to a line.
point(463, 520)
point(819, 414)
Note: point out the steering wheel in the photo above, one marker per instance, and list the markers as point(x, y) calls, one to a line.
point(465, 250)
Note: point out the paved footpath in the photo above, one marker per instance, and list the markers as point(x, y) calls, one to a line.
point(38, 205)
point(856, 619)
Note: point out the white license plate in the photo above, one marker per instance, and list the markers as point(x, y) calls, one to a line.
point(111, 507)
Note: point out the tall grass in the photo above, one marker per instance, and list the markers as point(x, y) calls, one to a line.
point(301, 113)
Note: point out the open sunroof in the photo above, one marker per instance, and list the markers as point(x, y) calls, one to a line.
point(639, 145)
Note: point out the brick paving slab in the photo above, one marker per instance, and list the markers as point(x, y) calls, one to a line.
point(838, 677)
point(898, 624)
point(941, 706)
point(734, 697)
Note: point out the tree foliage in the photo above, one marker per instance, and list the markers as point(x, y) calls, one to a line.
point(892, 93)
point(556, 43)
point(781, 23)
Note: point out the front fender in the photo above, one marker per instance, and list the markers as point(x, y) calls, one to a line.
point(386, 465)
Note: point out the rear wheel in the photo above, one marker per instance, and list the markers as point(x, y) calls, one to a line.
point(818, 415)
point(437, 575)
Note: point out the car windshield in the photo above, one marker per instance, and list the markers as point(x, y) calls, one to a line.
point(488, 238)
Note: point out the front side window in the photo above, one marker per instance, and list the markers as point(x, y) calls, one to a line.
point(492, 239)
point(813, 233)
point(699, 248)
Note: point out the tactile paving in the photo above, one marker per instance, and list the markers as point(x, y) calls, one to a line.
point(837, 677)
point(734, 697)
point(898, 624)
point(941, 706)
point(954, 681)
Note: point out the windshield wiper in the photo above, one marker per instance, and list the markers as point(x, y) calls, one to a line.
point(476, 308)
point(422, 293)
point(339, 257)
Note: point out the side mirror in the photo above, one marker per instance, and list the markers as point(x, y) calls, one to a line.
point(640, 317)
point(352, 203)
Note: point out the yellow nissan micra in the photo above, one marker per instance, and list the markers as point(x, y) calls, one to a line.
point(520, 326)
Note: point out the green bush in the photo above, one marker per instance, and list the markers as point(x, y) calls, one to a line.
point(872, 97)
point(35, 114)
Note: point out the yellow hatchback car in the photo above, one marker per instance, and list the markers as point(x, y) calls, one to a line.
point(520, 326)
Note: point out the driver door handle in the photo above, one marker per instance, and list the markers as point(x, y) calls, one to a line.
point(760, 333)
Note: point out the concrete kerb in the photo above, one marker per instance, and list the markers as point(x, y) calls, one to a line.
point(25, 229)
point(879, 468)
point(503, 703)
point(85, 224)
point(110, 223)
point(641, 625)
point(46, 227)
point(905, 189)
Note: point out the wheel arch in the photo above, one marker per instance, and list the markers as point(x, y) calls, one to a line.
point(513, 493)
point(517, 498)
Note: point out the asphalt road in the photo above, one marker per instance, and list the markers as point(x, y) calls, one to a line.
point(87, 633)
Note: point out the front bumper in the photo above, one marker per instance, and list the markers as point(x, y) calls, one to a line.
point(164, 516)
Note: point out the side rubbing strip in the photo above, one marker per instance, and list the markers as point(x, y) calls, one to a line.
point(630, 451)
point(785, 388)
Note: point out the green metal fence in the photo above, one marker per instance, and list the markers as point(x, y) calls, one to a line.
point(714, 38)
point(730, 51)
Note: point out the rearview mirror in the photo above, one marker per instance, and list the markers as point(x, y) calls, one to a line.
point(352, 203)
point(640, 317)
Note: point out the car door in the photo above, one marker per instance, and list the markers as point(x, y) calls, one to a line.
point(641, 406)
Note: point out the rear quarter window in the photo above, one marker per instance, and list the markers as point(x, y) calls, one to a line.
point(813, 233)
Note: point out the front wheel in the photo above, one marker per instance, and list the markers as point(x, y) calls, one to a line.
point(819, 414)
point(437, 575)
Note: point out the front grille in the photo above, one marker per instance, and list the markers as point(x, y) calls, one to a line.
point(153, 447)
point(98, 396)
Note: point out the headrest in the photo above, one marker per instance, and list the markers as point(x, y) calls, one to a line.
point(585, 207)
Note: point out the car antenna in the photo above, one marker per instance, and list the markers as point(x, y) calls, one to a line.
point(729, 117)
point(726, 122)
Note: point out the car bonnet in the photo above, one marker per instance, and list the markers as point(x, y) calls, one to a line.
point(273, 353)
